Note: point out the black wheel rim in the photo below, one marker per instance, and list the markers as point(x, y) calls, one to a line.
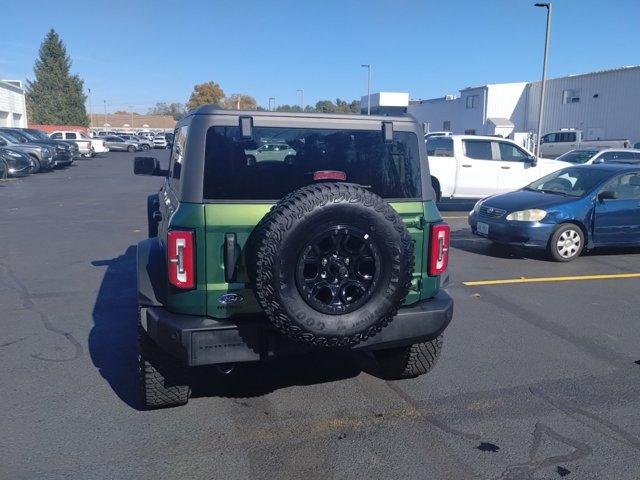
point(338, 270)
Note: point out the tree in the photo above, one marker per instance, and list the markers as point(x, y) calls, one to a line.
point(55, 97)
point(176, 110)
point(239, 101)
point(205, 93)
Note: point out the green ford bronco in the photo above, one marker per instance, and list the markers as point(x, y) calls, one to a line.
point(336, 245)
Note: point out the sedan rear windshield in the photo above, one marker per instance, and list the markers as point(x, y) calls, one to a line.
point(279, 160)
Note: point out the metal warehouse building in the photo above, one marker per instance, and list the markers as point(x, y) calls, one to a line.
point(13, 110)
point(603, 104)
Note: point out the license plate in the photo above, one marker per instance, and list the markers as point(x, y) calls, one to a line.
point(482, 228)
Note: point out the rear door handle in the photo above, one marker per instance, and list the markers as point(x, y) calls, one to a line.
point(505, 168)
point(466, 165)
point(229, 257)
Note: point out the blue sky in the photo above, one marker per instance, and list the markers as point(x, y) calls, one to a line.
point(137, 53)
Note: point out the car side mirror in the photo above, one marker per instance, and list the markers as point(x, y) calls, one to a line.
point(3, 143)
point(607, 195)
point(148, 166)
point(533, 160)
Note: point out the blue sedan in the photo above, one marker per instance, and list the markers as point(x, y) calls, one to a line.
point(566, 212)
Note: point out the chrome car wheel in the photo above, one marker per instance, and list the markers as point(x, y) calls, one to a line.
point(569, 243)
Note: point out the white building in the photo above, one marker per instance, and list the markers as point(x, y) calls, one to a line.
point(603, 104)
point(13, 108)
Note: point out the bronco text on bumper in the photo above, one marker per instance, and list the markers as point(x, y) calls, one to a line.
point(276, 234)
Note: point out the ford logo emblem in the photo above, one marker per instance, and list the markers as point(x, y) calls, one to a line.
point(230, 298)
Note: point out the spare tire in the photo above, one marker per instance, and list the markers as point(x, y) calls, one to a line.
point(333, 264)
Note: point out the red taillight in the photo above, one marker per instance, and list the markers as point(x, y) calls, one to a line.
point(181, 259)
point(439, 249)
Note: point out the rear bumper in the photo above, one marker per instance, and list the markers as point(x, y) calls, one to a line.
point(205, 341)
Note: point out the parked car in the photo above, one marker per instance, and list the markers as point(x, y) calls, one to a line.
point(159, 141)
point(64, 152)
point(471, 166)
point(88, 146)
point(576, 208)
point(590, 156)
point(120, 144)
point(141, 142)
point(437, 134)
point(333, 263)
point(147, 135)
point(270, 152)
point(636, 145)
point(41, 154)
point(18, 164)
point(554, 144)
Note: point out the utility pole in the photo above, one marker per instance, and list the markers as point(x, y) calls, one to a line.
point(368, 67)
point(301, 91)
point(105, 112)
point(131, 108)
point(548, 6)
point(90, 110)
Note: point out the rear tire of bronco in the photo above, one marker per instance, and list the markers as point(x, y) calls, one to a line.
point(408, 362)
point(37, 166)
point(163, 380)
point(334, 262)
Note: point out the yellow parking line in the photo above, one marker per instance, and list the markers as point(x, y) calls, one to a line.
point(610, 276)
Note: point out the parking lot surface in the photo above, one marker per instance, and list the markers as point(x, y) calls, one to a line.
point(537, 380)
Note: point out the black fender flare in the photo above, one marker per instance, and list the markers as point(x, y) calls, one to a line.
point(152, 273)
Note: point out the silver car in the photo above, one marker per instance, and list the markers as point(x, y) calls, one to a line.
point(142, 143)
point(120, 144)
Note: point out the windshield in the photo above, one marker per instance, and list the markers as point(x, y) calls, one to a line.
point(280, 160)
point(36, 134)
point(571, 182)
point(9, 137)
point(82, 135)
point(578, 156)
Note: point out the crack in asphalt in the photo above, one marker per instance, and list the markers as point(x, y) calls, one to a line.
point(28, 304)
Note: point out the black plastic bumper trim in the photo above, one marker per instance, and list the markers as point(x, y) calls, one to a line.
point(205, 341)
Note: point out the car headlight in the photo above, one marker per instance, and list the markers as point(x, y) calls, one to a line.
point(13, 154)
point(532, 215)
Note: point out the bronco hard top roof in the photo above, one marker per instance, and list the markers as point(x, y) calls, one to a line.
point(215, 110)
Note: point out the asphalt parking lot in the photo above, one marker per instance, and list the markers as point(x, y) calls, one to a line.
point(537, 380)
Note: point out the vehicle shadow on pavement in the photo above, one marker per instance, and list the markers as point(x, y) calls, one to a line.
point(113, 344)
point(468, 242)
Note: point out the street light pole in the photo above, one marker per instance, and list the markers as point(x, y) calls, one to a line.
point(368, 87)
point(105, 112)
point(131, 107)
point(301, 91)
point(548, 6)
point(90, 109)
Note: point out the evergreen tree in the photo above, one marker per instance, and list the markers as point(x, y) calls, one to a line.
point(55, 96)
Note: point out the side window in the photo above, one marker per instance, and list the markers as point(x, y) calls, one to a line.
point(550, 138)
point(571, 137)
point(57, 136)
point(478, 149)
point(439, 147)
point(511, 153)
point(177, 152)
point(71, 136)
point(627, 186)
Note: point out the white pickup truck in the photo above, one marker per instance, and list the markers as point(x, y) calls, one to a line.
point(88, 146)
point(554, 144)
point(470, 166)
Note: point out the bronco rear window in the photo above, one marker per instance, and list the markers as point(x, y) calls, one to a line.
point(279, 160)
